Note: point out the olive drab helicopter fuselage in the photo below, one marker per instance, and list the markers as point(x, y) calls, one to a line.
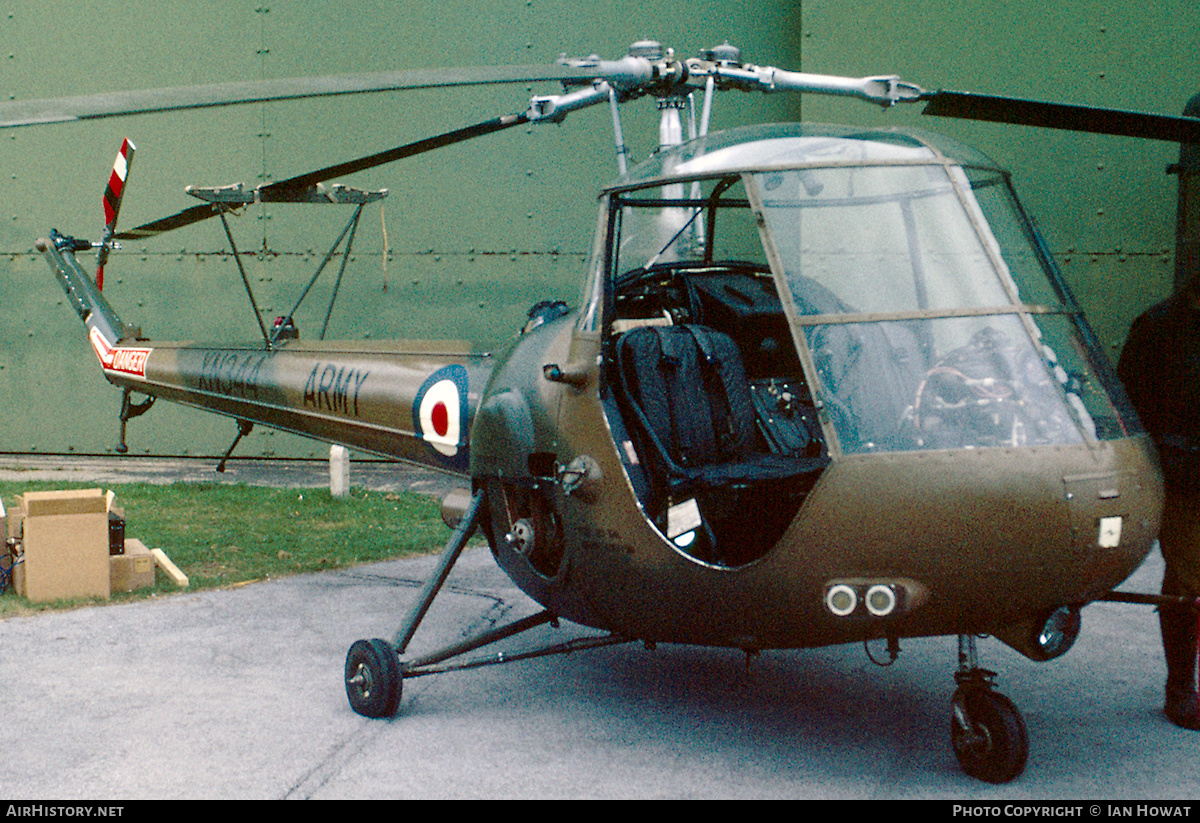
point(824, 385)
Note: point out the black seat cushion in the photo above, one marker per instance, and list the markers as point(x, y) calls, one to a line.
point(688, 390)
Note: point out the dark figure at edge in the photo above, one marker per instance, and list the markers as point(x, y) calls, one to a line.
point(1160, 367)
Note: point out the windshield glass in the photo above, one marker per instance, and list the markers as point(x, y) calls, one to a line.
point(881, 239)
point(695, 222)
point(927, 310)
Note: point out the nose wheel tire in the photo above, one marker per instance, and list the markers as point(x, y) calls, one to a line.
point(988, 735)
point(373, 680)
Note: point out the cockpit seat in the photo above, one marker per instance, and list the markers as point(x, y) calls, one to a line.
point(693, 410)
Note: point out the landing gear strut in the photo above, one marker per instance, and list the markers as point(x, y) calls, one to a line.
point(986, 730)
point(374, 673)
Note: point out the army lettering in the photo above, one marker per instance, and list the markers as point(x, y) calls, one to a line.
point(334, 388)
point(231, 373)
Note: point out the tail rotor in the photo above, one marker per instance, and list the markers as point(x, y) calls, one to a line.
point(112, 205)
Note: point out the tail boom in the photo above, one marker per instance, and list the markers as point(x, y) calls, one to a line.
point(412, 401)
point(94, 310)
point(408, 400)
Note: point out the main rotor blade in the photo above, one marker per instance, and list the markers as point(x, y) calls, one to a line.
point(269, 191)
point(117, 104)
point(279, 190)
point(176, 221)
point(991, 108)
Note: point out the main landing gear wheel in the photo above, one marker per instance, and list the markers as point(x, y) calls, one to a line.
point(988, 734)
point(373, 679)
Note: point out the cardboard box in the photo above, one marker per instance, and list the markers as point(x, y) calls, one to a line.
point(64, 545)
point(67, 501)
point(13, 515)
point(132, 570)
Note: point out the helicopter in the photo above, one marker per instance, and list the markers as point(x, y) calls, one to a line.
point(824, 385)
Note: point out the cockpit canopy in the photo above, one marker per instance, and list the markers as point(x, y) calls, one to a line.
point(915, 302)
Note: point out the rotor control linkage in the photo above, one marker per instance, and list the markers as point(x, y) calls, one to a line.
point(649, 68)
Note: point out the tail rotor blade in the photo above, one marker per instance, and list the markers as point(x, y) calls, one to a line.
point(116, 183)
point(114, 193)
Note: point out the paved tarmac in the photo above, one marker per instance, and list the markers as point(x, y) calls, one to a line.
point(377, 475)
point(238, 693)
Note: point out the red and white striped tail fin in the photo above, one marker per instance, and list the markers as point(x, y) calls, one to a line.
point(112, 203)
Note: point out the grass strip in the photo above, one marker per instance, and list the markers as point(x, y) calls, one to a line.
point(227, 535)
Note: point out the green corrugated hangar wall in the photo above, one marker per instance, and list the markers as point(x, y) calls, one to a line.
point(471, 236)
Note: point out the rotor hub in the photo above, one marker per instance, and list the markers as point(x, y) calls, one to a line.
point(724, 54)
point(648, 49)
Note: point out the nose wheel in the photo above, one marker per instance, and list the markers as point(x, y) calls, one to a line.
point(986, 729)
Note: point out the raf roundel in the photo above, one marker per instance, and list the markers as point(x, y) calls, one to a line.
point(439, 408)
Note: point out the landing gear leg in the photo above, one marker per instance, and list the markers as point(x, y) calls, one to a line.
point(986, 730)
point(373, 672)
